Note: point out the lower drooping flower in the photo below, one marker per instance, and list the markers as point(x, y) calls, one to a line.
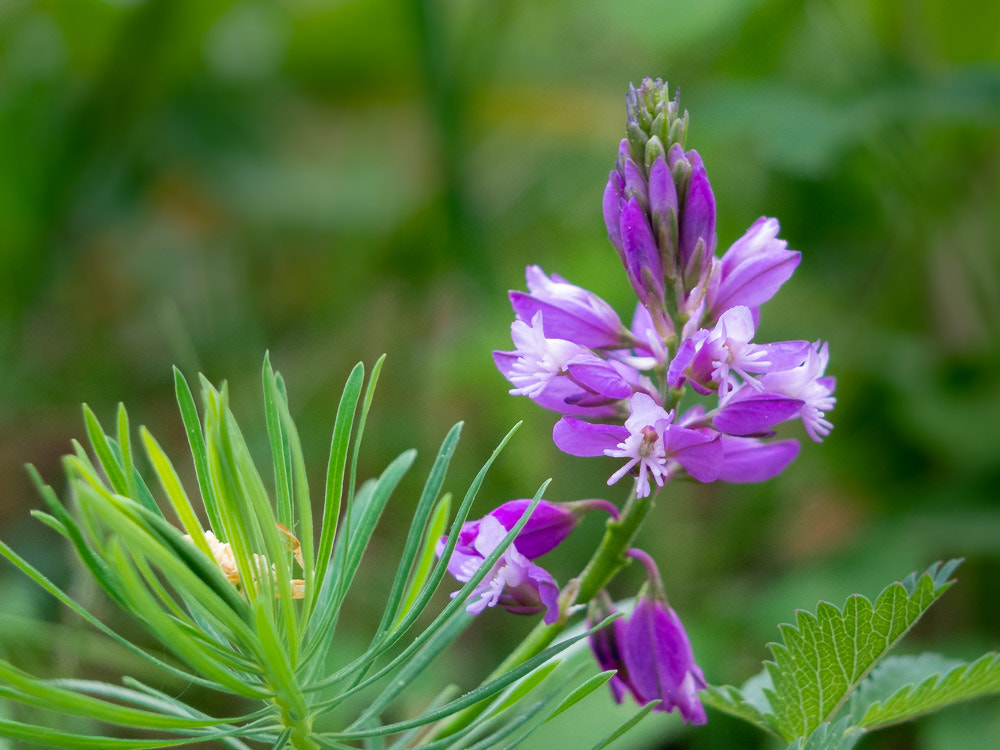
point(648, 441)
point(657, 653)
point(660, 662)
point(514, 582)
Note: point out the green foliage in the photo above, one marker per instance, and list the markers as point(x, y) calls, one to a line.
point(249, 606)
point(830, 682)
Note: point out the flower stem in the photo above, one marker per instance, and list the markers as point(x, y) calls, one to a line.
point(607, 560)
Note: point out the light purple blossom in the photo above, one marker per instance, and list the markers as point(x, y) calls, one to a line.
point(514, 582)
point(752, 270)
point(571, 312)
point(808, 384)
point(712, 358)
point(537, 359)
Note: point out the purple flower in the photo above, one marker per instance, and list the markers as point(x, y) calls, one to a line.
point(546, 528)
point(536, 360)
point(649, 442)
point(514, 582)
point(651, 652)
point(660, 662)
point(808, 384)
point(752, 270)
point(713, 358)
point(571, 312)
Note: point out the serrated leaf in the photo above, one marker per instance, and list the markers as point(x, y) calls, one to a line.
point(825, 656)
point(893, 673)
point(730, 700)
point(838, 736)
point(964, 682)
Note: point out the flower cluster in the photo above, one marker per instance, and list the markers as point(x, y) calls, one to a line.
point(695, 323)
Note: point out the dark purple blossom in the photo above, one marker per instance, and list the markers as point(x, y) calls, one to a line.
point(514, 582)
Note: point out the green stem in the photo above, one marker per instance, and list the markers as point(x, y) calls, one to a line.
point(607, 560)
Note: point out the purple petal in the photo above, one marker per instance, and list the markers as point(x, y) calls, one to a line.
point(547, 527)
point(755, 413)
point(569, 323)
point(579, 438)
point(784, 355)
point(612, 210)
point(600, 376)
point(662, 193)
point(753, 269)
point(697, 217)
point(642, 257)
point(698, 453)
point(748, 460)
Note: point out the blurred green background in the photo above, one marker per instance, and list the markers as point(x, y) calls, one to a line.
point(198, 181)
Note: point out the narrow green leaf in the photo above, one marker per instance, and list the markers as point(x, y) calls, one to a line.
point(432, 488)
point(171, 484)
point(825, 656)
point(70, 702)
point(641, 714)
point(435, 530)
point(281, 458)
point(473, 696)
point(964, 682)
point(368, 518)
point(522, 687)
point(102, 447)
point(196, 440)
point(336, 468)
point(405, 739)
point(581, 691)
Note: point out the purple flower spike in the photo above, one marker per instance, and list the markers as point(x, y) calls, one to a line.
point(570, 312)
point(658, 654)
point(515, 583)
point(752, 270)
